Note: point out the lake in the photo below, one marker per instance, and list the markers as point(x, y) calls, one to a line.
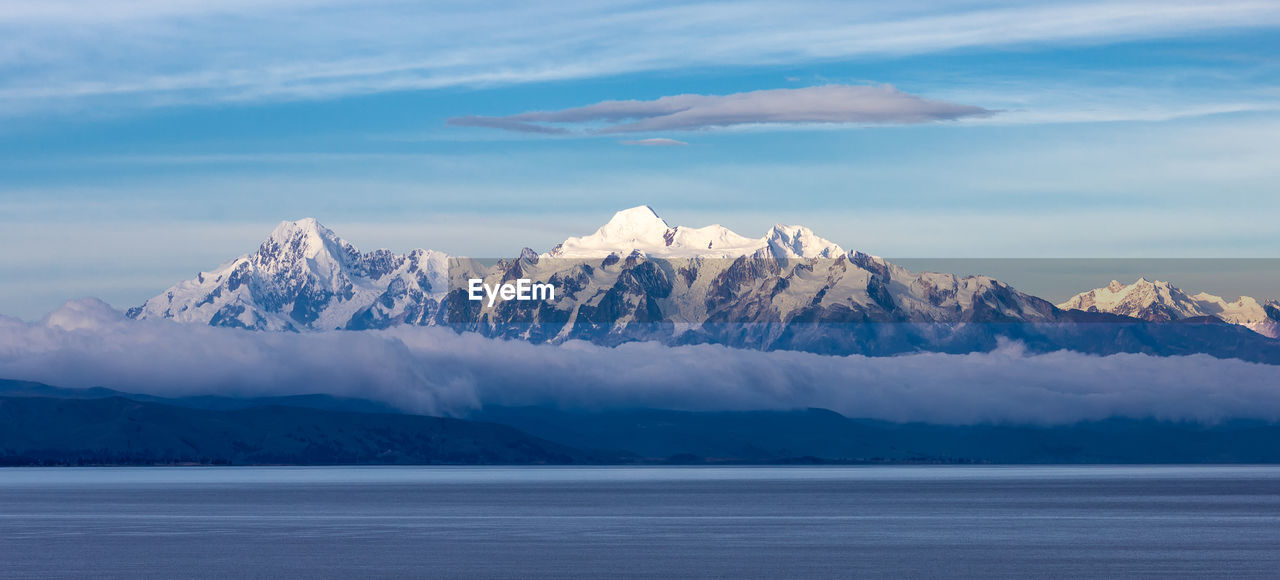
point(555, 522)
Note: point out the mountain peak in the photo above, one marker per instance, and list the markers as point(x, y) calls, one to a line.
point(307, 239)
point(798, 241)
point(303, 275)
point(308, 224)
point(634, 228)
point(640, 228)
point(642, 210)
point(634, 221)
point(309, 227)
point(1159, 301)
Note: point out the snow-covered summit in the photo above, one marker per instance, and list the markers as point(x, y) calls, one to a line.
point(1160, 301)
point(799, 242)
point(641, 229)
point(1156, 301)
point(632, 225)
point(296, 249)
point(308, 239)
point(1244, 310)
point(305, 276)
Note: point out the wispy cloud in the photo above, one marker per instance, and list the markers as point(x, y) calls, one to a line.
point(60, 53)
point(864, 104)
point(654, 142)
point(507, 124)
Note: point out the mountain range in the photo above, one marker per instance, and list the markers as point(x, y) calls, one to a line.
point(1157, 301)
point(639, 278)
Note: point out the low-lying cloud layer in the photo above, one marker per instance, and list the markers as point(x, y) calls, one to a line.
point(862, 104)
point(437, 371)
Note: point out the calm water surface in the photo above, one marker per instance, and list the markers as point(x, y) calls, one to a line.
point(640, 522)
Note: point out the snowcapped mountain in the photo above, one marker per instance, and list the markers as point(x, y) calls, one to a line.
point(638, 278)
point(1158, 301)
point(640, 229)
point(634, 269)
point(303, 276)
point(703, 284)
point(713, 299)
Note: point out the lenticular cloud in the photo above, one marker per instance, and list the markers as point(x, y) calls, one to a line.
point(438, 371)
point(862, 104)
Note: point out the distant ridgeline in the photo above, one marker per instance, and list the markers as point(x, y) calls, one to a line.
point(638, 278)
point(44, 425)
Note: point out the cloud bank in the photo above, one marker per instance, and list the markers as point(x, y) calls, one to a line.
point(437, 371)
point(862, 104)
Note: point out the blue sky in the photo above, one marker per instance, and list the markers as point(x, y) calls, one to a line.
point(143, 141)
